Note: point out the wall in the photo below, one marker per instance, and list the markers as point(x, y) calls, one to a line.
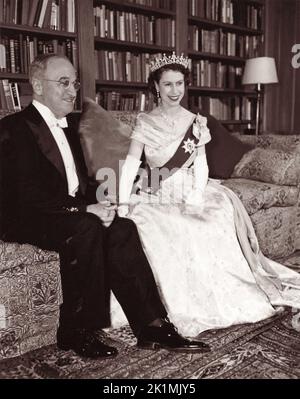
point(282, 100)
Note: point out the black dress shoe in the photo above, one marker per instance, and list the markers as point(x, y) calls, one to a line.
point(166, 337)
point(86, 343)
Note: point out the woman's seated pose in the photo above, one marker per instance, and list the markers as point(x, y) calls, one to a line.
point(195, 232)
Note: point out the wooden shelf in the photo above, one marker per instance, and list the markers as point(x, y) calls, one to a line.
point(120, 84)
point(13, 76)
point(216, 57)
point(127, 46)
point(256, 2)
point(229, 27)
point(224, 91)
point(33, 30)
point(235, 122)
point(132, 7)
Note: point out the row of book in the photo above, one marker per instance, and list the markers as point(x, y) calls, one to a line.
point(233, 108)
point(14, 96)
point(17, 52)
point(224, 43)
point(125, 100)
point(137, 28)
point(46, 14)
point(216, 75)
point(228, 11)
point(163, 4)
point(129, 67)
point(123, 66)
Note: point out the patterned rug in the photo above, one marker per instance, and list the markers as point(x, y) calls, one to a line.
point(269, 349)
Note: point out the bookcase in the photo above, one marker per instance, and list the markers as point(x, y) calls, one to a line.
point(221, 36)
point(126, 35)
point(111, 42)
point(29, 28)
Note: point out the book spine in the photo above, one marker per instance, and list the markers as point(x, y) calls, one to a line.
point(2, 57)
point(42, 13)
point(15, 96)
point(54, 16)
point(8, 96)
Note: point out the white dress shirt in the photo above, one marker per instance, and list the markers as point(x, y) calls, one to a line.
point(55, 125)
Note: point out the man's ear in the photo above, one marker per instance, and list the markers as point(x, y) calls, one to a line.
point(37, 86)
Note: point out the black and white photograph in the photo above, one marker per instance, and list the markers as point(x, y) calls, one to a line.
point(149, 194)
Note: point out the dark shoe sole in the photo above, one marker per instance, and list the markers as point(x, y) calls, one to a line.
point(184, 349)
point(66, 347)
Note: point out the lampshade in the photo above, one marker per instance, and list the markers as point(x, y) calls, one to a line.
point(260, 70)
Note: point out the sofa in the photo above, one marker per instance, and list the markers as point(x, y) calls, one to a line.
point(267, 180)
point(30, 290)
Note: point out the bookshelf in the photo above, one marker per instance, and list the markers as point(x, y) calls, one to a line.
point(218, 36)
point(111, 42)
point(29, 28)
point(221, 36)
point(126, 35)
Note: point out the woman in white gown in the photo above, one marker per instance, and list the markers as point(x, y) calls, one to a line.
point(196, 234)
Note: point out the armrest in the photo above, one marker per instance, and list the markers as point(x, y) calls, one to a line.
point(270, 166)
point(283, 142)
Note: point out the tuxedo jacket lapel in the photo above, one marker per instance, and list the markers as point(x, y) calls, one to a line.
point(44, 139)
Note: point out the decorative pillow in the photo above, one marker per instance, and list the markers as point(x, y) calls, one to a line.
point(283, 142)
point(105, 140)
point(270, 166)
point(224, 150)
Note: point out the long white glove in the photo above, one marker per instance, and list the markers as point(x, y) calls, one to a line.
point(128, 174)
point(195, 197)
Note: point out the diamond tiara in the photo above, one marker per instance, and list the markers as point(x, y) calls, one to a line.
point(172, 59)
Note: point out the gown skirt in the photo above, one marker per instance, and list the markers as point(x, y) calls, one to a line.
point(203, 273)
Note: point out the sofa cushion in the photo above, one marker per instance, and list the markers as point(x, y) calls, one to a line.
point(297, 244)
point(126, 117)
point(105, 138)
point(274, 141)
point(13, 255)
point(224, 150)
point(269, 165)
point(257, 195)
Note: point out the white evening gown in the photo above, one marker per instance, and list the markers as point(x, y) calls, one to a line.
point(199, 264)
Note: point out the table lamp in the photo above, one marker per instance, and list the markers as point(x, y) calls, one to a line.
point(258, 71)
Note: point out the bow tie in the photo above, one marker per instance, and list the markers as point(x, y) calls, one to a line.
point(61, 122)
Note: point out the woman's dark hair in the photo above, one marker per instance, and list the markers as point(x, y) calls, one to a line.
point(156, 76)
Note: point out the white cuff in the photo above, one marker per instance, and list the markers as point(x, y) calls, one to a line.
point(123, 210)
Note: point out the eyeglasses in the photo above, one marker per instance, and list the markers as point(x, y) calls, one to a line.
point(65, 83)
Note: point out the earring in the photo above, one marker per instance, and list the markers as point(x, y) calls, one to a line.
point(158, 96)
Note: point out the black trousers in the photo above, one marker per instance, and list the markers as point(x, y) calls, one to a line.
point(95, 259)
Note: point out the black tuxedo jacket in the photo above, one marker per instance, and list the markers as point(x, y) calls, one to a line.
point(32, 172)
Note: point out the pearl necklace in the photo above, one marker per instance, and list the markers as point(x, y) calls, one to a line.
point(169, 122)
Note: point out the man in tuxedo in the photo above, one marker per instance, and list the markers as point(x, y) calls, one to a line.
point(49, 201)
